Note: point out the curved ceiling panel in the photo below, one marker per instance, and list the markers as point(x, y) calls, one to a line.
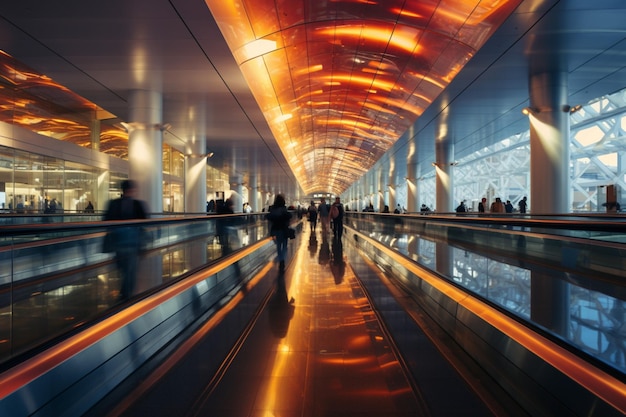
point(340, 81)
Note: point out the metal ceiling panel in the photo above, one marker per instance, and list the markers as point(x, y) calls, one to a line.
point(177, 48)
point(350, 75)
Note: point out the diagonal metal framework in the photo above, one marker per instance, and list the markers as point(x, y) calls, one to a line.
point(597, 152)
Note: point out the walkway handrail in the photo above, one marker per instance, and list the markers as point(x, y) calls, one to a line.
point(94, 361)
point(32, 228)
point(556, 221)
point(476, 325)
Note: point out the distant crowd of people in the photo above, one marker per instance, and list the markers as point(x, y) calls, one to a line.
point(498, 206)
point(330, 216)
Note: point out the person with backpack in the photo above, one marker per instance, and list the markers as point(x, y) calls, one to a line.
point(312, 216)
point(324, 214)
point(336, 214)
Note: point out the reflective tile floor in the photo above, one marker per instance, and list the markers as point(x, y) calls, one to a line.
point(315, 349)
point(318, 351)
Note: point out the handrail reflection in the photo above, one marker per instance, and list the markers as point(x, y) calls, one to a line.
point(442, 293)
point(570, 288)
point(55, 278)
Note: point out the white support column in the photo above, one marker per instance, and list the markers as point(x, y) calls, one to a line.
point(254, 196)
point(444, 155)
point(392, 184)
point(370, 189)
point(145, 157)
point(195, 175)
point(413, 174)
point(95, 128)
point(381, 190)
point(549, 144)
point(236, 186)
point(102, 191)
point(145, 147)
point(549, 185)
point(375, 189)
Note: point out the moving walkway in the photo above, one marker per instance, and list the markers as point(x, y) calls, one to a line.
point(125, 338)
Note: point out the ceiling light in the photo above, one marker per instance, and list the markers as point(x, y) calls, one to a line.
point(283, 118)
point(194, 155)
point(255, 49)
point(575, 108)
point(530, 110)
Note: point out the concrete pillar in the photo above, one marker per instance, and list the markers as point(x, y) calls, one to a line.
point(102, 191)
point(549, 144)
point(376, 189)
point(621, 163)
point(549, 184)
point(444, 156)
point(413, 174)
point(236, 196)
point(195, 175)
point(145, 147)
point(392, 184)
point(254, 194)
point(370, 192)
point(145, 157)
point(95, 133)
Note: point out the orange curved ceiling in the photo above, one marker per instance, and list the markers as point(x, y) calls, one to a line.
point(340, 81)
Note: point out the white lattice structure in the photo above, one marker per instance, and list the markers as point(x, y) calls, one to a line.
point(598, 159)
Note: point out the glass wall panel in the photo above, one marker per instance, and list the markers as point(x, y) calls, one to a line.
point(178, 198)
point(173, 197)
point(6, 177)
point(30, 185)
point(115, 184)
point(53, 179)
point(178, 164)
point(167, 159)
point(81, 183)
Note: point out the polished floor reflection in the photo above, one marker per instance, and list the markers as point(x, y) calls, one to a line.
point(317, 349)
point(314, 348)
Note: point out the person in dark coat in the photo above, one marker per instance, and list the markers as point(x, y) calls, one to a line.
point(336, 214)
point(224, 225)
point(279, 218)
point(127, 240)
point(312, 216)
point(482, 206)
point(523, 204)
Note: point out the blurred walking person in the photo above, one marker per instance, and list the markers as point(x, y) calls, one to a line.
point(336, 213)
point(312, 216)
point(127, 240)
point(279, 218)
point(324, 211)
